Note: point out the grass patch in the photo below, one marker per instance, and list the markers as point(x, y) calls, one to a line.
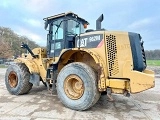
point(153, 62)
point(3, 66)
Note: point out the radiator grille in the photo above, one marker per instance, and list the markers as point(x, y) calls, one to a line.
point(112, 55)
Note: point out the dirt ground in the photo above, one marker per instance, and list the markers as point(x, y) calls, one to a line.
point(156, 69)
point(39, 104)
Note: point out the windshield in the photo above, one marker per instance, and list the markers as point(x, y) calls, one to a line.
point(74, 27)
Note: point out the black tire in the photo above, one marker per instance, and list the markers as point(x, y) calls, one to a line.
point(17, 79)
point(90, 94)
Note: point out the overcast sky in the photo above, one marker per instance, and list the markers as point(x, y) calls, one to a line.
point(25, 17)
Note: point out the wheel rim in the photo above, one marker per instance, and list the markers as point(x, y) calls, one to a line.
point(13, 79)
point(73, 87)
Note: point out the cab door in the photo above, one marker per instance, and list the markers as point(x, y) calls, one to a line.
point(56, 38)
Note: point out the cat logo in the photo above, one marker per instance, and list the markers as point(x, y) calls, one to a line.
point(82, 42)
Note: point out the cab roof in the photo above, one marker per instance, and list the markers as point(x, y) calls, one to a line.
point(71, 14)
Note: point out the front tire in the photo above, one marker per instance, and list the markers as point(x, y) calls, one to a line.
point(77, 86)
point(17, 79)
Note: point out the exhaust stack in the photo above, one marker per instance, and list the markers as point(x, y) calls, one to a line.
point(98, 22)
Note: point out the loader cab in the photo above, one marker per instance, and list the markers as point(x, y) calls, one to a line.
point(62, 30)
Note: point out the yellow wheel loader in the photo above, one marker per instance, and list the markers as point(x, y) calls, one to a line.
point(81, 64)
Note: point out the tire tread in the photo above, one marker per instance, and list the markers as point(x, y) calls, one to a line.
point(93, 83)
point(24, 85)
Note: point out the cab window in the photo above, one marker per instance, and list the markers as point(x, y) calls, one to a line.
point(57, 30)
point(74, 28)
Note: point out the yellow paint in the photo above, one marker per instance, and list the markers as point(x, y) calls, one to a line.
point(139, 81)
point(118, 91)
point(118, 83)
point(99, 59)
point(37, 65)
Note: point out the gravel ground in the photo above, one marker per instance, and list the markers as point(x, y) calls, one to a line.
point(156, 69)
point(39, 104)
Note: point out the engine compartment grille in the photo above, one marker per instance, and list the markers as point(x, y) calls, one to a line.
point(112, 55)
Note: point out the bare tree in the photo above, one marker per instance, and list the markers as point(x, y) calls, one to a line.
point(5, 50)
point(10, 43)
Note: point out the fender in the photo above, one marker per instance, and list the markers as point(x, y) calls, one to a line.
point(33, 69)
point(101, 73)
point(97, 59)
point(32, 66)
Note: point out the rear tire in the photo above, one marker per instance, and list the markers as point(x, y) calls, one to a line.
point(17, 79)
point(77, 86)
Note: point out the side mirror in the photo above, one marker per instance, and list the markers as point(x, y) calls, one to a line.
point(46, 24)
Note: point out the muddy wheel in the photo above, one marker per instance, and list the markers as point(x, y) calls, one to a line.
point(17, 79)
point(77, 86)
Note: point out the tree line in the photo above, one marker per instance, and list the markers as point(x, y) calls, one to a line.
point(152, 54)
point(10, 43)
